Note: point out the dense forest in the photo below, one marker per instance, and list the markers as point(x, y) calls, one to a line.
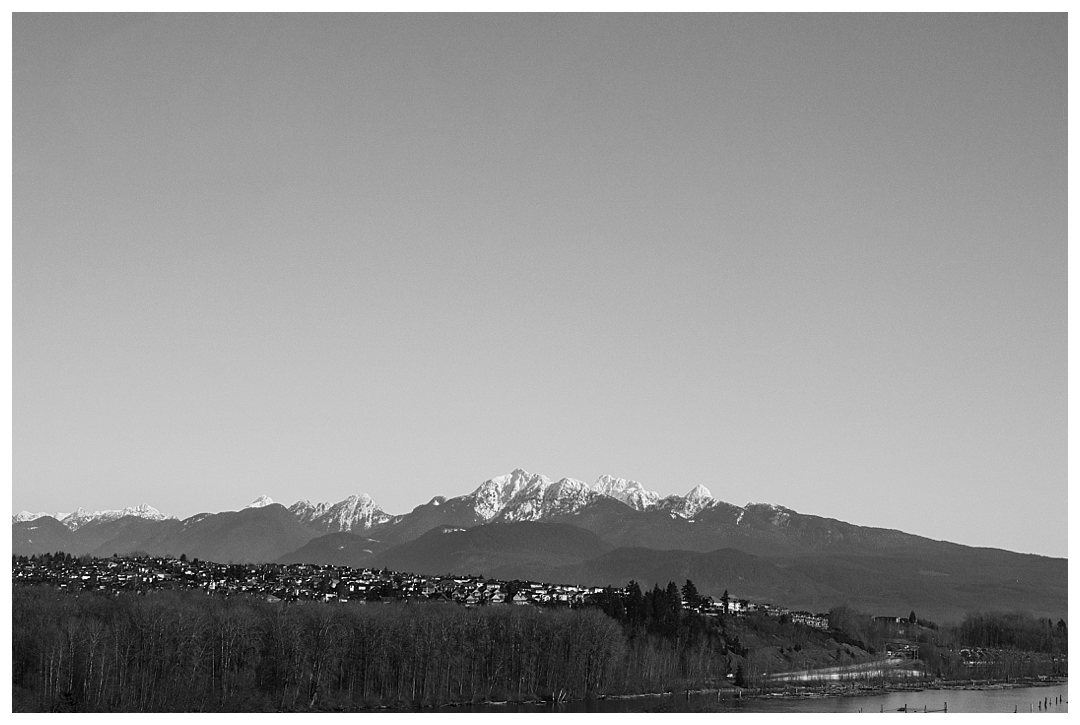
point(182, 650)
point(186, 651)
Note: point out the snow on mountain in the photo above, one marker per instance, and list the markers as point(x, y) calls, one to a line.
point(690, 505)
point(260, 502)
point(307, 511)
point(631, 493)
point(495, 494)
point(516, 496)
point(523, 496)
point(565, 496)
point(354, 513)
point(777, 515)
point(27, 516)
point(81, 517)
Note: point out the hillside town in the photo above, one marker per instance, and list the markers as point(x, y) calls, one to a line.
point(326, 583)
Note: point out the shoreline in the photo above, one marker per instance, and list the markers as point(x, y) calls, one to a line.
point(812, 693)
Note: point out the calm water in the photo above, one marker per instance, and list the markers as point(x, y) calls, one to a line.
point(1018, 699)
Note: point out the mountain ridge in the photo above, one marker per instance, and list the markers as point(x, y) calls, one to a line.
point(525, 525)
point(517, 496)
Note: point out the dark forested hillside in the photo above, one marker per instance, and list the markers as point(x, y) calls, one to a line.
point(41, 536)
point(517, 550)
point(340, 549)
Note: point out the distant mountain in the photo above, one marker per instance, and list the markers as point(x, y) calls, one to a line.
point(253, 534)
point(259, 534)
point(260, 502)
point(439, 511)
point(81, 517)
point(505, 550)
point(27, 516)
point(690, 505)
point(338, 549)
point(517, 496)
point(631, 493)
point(125, 535)
point(41, 535)
point(524, 496)
point(742, 575)
point(356, 513)
point(523, 525)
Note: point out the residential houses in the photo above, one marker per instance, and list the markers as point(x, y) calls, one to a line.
point(327, 583)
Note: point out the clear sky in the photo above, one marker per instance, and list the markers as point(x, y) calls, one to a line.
point(818, 261)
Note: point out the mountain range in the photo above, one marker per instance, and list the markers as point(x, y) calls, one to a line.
point(524, 526)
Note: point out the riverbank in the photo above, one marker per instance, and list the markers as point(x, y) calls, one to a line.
point(733, 695)
point(863, 689)
point(1050, 695)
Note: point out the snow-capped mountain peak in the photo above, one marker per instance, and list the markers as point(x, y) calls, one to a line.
point(699, 493)
point(260, 502)
point(697, 500)
point(81, 517)
point(27, 516)
point(565, 496)
point(355, 512)
point(306, 511)
point(631, 493)
point(495, 494)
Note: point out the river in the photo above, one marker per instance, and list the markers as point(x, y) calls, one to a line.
point(1019, 699)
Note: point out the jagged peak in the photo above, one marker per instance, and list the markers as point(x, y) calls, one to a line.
point(699, 492)
point(31, 516)
point(260, 502)
point(524, 496)
point(81, 517)
point(515, 476)
point(616, 482)
point(360, 498)
point(627, 491)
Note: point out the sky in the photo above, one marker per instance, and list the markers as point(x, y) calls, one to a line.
point(816, 260)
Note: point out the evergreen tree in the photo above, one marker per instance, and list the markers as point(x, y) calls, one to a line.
point(674, 597)
point(690, 594)
point(635, 603)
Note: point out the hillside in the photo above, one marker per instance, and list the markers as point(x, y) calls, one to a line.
point(503, 550)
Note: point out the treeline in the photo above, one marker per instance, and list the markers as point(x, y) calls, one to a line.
point(1013, 630)
point(672, 646)
point(1022, 646)
point(999, 630)
point(188, 652)
point(668, 646)
point(185, 651)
